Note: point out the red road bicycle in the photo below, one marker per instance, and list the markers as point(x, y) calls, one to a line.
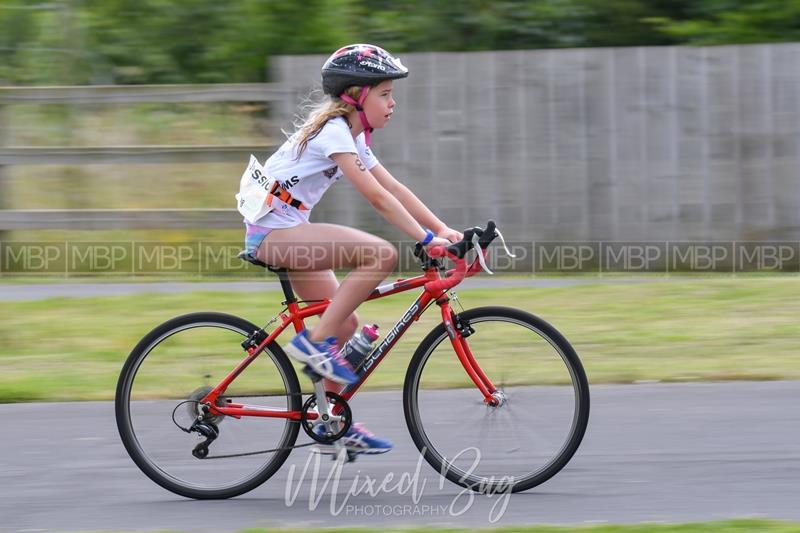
point(495, 398)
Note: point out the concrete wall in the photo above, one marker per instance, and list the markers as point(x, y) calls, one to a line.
point(661, 143)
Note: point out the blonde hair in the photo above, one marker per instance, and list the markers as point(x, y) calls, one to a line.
point(317, 114)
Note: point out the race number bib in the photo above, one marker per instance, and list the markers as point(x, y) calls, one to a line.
point(253, 197)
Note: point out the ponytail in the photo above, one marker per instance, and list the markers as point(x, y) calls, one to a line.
point(318, 115)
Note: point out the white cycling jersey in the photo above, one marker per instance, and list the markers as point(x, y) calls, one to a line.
point(308, 177)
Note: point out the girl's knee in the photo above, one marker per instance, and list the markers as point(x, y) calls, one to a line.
point(379, 255)
point(350, 324)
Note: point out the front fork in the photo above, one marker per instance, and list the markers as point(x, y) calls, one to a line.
point(458, 330)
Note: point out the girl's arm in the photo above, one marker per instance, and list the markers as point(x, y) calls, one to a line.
point(413, 205)
point(382, 200)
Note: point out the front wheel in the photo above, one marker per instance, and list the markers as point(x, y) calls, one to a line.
point(173, 367)
point(541, 408)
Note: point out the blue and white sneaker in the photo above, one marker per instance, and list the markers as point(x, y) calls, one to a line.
point(358, 439)
point(323, 357)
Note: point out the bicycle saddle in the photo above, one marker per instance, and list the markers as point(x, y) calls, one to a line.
point(244, 256)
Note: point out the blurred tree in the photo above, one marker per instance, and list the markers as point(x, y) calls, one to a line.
point(629, 22)
point(169, 41)
point(161, 41)
point(274, 27)
point(17, 27)
point(153, 41)
point(411, 25)
point(710, 22)
point(184, 41)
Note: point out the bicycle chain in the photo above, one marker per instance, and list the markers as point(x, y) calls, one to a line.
point(260, 452)
point(243, 454)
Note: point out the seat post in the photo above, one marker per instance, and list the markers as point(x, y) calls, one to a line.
point(286, 285)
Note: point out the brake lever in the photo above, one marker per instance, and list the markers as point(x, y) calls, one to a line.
point(503, 242)
point(476, 246)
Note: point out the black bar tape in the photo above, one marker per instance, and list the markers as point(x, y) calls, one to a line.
point(488, 235)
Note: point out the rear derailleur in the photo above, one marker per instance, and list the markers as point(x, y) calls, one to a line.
point(207, 429)
point(205, 423)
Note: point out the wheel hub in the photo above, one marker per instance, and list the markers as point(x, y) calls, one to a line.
point(499, 399)
point(198, 410)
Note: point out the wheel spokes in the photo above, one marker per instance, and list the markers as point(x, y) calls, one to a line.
point(531, 425)
point(184, 358)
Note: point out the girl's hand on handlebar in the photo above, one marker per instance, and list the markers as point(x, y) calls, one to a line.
point(451, 235)
point(438, 241)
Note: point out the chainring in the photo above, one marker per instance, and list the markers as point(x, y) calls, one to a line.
point(337, 403)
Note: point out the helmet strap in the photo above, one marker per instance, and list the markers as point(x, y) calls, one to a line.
point(359, 107)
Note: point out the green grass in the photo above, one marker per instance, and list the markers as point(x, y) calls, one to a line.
point(729, 526)
point(715, 329)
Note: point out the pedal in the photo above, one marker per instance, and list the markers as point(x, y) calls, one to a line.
point(349, 458)
point(345, 456)
point(341, 452)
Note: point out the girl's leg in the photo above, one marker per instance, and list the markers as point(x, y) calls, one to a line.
point(309, 248)
point(316, 286)
point(319, 285)
point(310, 252)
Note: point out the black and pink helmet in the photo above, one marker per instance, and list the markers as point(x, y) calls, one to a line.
point(359, 64)
point(362, 65)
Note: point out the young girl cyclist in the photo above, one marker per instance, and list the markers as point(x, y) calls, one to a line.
point(334, 141)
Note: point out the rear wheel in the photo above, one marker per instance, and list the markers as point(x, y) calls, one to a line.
point(541, 411)
point(173, 367)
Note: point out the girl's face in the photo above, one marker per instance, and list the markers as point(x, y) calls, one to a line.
point(379, 104)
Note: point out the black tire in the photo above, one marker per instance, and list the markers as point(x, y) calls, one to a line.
point(420, 426)
point(276, 361)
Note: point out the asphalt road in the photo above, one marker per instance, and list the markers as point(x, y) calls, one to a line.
point(653, 452)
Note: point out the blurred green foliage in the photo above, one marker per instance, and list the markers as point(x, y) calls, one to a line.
point(196, 41)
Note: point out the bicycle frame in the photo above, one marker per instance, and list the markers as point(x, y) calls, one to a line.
point(295, 314)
